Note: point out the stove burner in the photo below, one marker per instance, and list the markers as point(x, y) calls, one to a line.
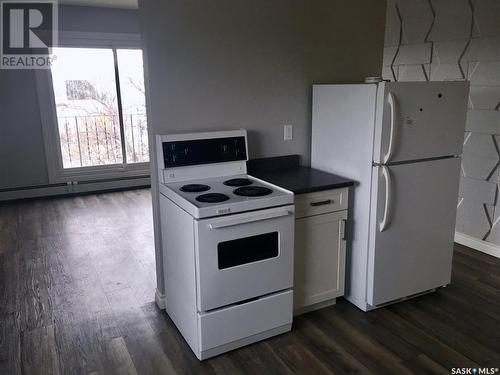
point(252, 191)
point(195, 188)
point(238, 182)
point(212, 198)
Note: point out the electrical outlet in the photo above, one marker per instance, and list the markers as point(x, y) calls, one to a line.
point(288, 132)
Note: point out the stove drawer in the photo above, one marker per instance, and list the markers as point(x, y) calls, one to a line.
point(238, 322)
point(243, 256)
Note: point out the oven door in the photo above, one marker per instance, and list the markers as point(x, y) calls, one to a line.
point(243, 256)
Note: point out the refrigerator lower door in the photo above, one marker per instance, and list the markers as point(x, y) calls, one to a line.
point(412, 226)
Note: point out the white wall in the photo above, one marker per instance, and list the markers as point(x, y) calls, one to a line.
point(226, 64)
point(22, 153)
point(457, 39)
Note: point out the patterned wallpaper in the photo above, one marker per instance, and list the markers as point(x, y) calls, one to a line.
point(436, 40)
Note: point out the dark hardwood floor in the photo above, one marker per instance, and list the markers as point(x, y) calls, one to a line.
point(77, 282)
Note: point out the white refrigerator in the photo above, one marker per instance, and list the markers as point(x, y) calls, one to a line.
point(401, 142)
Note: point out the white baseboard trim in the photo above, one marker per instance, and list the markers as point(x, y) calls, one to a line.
point(477, 244)
point(160, 299)
point(76, 188)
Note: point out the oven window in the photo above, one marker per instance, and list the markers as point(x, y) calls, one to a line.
point(247, 250)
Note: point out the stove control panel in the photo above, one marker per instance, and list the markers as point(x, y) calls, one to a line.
point(204, 151)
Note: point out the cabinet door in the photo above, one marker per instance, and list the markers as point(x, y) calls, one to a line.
point(319, 258)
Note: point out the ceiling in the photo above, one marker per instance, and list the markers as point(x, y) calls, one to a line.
point(127, 4)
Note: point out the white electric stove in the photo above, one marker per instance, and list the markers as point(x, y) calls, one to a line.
point(228, 243)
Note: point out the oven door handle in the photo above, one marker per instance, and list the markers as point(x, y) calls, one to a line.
point(249, 219)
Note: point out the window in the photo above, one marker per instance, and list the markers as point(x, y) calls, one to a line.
point(133, 104)
point(247, 250)
point(100, 107)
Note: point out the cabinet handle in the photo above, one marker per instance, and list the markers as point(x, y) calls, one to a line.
point(343, 223)
point(321, 203)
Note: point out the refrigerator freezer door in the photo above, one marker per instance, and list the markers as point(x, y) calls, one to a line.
point(419, 120)
point(412, 251)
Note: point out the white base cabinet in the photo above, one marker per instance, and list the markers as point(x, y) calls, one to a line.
point(320, 249)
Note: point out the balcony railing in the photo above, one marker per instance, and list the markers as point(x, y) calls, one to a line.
point(88, 141)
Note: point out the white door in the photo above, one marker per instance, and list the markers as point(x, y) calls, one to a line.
point(243, 256)
point(319, 258)
point(419, 120)
point(412, 225)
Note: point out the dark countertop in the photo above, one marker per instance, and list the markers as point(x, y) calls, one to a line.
point(286, 173)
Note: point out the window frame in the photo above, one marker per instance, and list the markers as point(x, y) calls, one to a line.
point(53, 153)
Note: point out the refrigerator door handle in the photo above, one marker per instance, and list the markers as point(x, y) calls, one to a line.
point(388, 203)
point(391, 100)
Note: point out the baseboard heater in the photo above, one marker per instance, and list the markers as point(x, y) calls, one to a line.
point(74, 188)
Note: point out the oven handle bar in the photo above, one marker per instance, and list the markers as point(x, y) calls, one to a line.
point(249, 219)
